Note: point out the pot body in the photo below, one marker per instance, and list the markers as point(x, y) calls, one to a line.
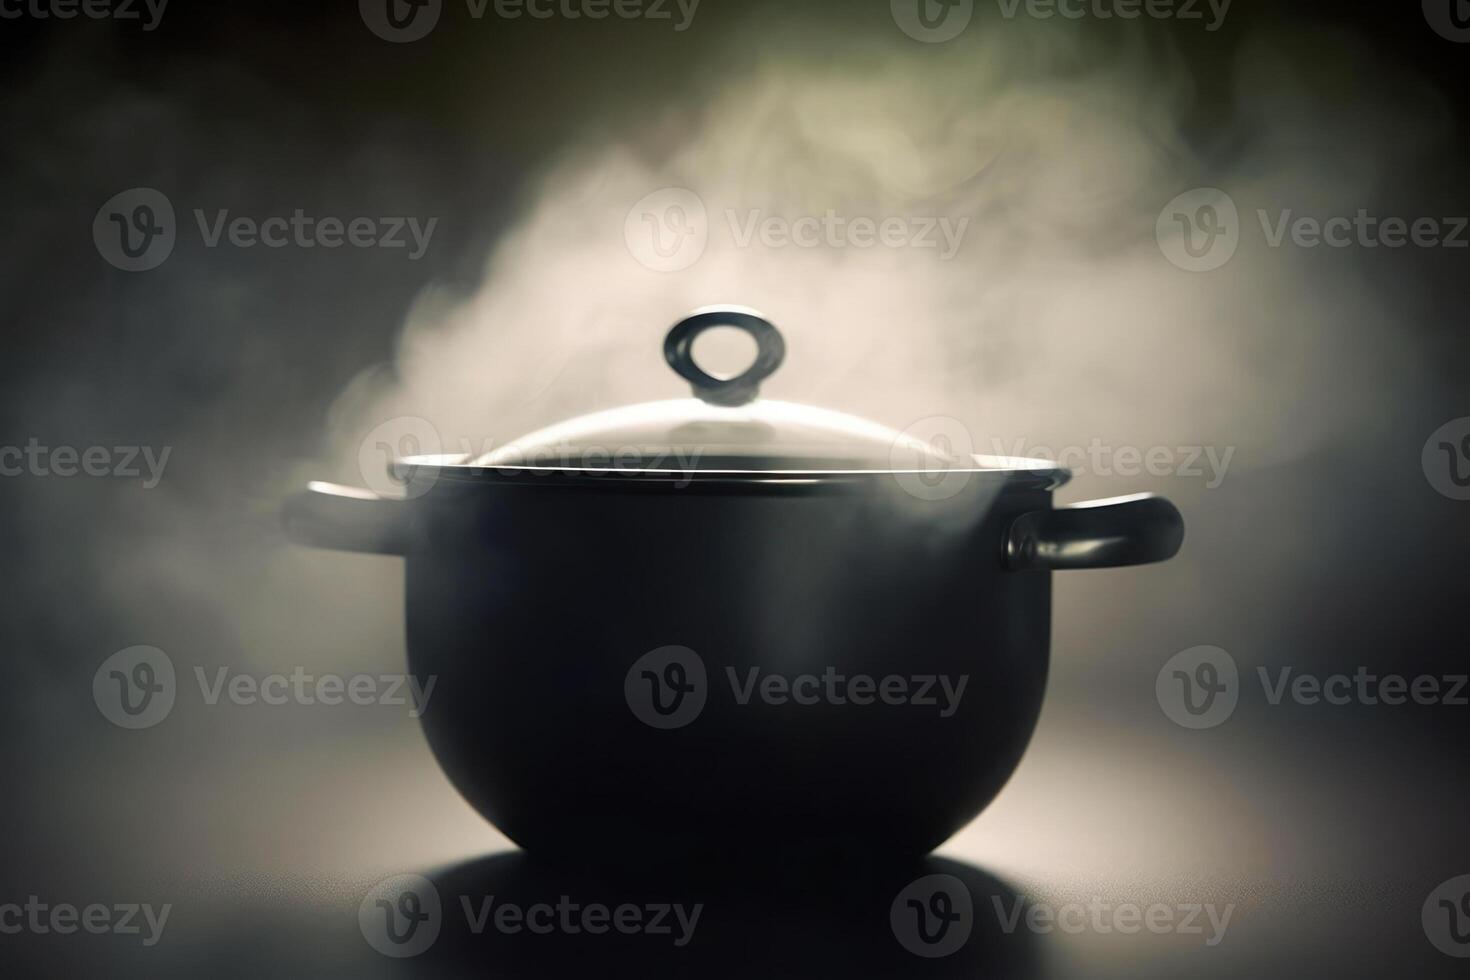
point(535, 606)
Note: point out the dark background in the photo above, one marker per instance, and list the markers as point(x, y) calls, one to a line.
point(1327, 826)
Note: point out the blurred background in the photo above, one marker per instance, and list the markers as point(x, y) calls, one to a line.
point(566, 187)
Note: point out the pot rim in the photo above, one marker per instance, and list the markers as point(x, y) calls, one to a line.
point(1039, 474)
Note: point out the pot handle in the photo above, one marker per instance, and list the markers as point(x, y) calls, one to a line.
point(1133, 530)
point(328, 515)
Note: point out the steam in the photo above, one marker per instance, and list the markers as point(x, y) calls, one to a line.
point(1057, 320)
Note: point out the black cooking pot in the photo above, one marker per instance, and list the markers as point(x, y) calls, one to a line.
point(725, 624)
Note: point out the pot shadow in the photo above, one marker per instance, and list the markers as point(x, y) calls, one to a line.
point(852, 919)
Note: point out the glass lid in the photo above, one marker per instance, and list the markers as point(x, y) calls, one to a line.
point(727, 429)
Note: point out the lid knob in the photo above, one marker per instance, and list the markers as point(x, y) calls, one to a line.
point(744, 387)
